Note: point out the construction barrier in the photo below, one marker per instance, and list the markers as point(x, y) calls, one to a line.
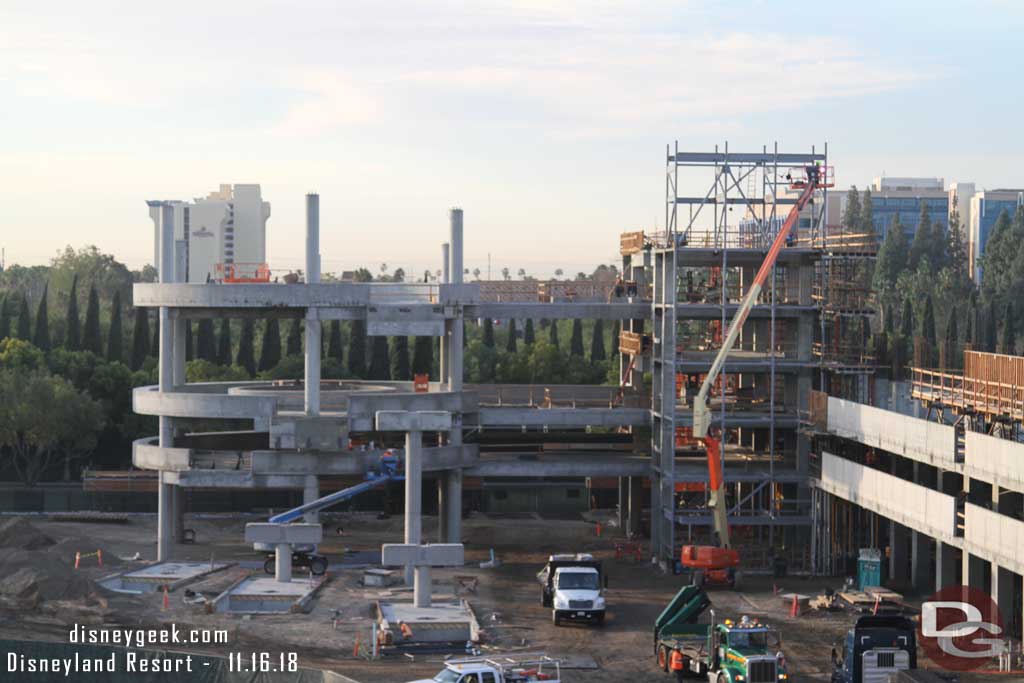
point(98, 555)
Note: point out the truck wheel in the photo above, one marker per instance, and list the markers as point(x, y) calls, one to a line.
point(269, 567)
point(663, 658)
point(318, 565)
point(555, 619)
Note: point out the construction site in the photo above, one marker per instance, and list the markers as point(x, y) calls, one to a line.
point(753, 490)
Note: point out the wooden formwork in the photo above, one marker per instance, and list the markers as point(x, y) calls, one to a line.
point(992, 384)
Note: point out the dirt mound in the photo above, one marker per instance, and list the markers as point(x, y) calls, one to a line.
point(19, 533)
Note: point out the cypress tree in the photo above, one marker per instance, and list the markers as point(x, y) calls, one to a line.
point(92, 339)
point(334, 349)
point(511, 344)
point(423, 356)
point(357, 349)
point(1009, 334)
point(247, 347)
point(400, 358)
point(379, 366)
point(907, 322)
point(990, 336)
point(597, 342)
point(952, 341)
point(294, 345)
point(489, 333)
point(892, 257)
point(24, 323)
point(928, 332)
point(922, 244)
point(528, 337)
point(852, 214)
point(616, 330)
point(140, 338)
point(5, 317)
point(553, 333)
point(115, 334)
point(867, 213)
point(224, 343)
point(190, 342)
point(72, 327)
point(206, 344)
point(41, 339)
point(154, 347)
point(576, 340)
point(270, 352)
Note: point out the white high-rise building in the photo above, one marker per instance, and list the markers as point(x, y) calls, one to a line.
point(224, 232)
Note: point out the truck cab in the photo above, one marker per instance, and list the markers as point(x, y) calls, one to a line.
point(747, 652)
point(517, 668)
point(877, 646)
point(572, 586)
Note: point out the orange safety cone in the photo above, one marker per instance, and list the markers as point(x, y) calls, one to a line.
point(355, 648)
point(78, 558)
point(794, 610)
point(878, 601)
point(598, 528)
point(99, 557)
point(167, 599)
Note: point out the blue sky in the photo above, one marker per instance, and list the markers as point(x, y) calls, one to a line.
point(546, 121)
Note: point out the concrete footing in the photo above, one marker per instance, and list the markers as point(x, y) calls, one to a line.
point(153, 578)
point(264, 595)
point(442, 622)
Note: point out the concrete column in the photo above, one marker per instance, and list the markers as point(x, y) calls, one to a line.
point(454, 511)
point(312, 370)
point(283, 562)
point(312, 238)
point(455, 223)
point(422, 587)
point(636, 508)
point(623, 502)
point(446, 337)
point(898, 546)
point(945, 568)
point(413, 493)
point(178, 513)
point(310, 492)
point(166, 439)
point(919, 556)
point(442, 507)
point(446, 266)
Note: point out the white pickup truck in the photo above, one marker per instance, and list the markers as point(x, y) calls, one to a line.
point(572, 586)
point(518, 668)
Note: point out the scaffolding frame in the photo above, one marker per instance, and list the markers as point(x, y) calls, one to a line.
point(758, 183)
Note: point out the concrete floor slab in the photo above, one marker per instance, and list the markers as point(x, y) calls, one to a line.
point(265, 594)
point(152, 578)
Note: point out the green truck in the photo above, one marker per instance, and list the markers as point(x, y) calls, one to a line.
point(690, 641)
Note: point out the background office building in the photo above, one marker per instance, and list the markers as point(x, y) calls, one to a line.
point(227, 228)
point(986, 206)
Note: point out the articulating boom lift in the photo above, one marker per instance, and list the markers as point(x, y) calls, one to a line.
point(717, 563)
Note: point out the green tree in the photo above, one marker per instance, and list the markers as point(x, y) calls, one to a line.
point(957, 247)
point(379, 367)
point(422, 356)
point(616, 331)
point(867, 213)
point(91, 337)
point(294, 345)
point(206, 343)
point(990, 334)
point(852, 213)
point(246, 357)
point(928, 331)
point(400, 359)
point(597, 342)
point(5, 316)
point(922, 244)
point(41, 339)
point(72, 326)
point(553, 334)
point(999, 253)
point(92, 268)
point(140, 339)
point(334, 346)
point(115, 333)
point(270, 351)
point(20, 355)
point(24, 323)
point(892, 257)
point(224, 343)
point(953, 348)
point(489, 333)
point(205, 371)
point(528, 336)
point(576, 340)
point(1009, 341)
point(510, 344)
point(44, 420)
point(357, 349)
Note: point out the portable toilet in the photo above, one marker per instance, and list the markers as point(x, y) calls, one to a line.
point(869, 568)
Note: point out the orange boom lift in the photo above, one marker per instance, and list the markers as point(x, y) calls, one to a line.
point(717, 564)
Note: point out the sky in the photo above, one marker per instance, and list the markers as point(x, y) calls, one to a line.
point(545, 120)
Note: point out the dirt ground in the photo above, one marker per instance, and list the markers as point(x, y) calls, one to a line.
point(507, 601)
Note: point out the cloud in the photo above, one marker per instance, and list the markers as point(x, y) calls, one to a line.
point(329, 101)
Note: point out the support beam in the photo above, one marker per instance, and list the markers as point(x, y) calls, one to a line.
point(165, 492)
point(313, 325)
point(413, 493)
point(283, 562)
point(178, 514)
point(310, 493)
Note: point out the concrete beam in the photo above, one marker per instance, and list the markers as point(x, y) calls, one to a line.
point(151, 401)
point(562, 417)
point(413, 421)
point(559, 310)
